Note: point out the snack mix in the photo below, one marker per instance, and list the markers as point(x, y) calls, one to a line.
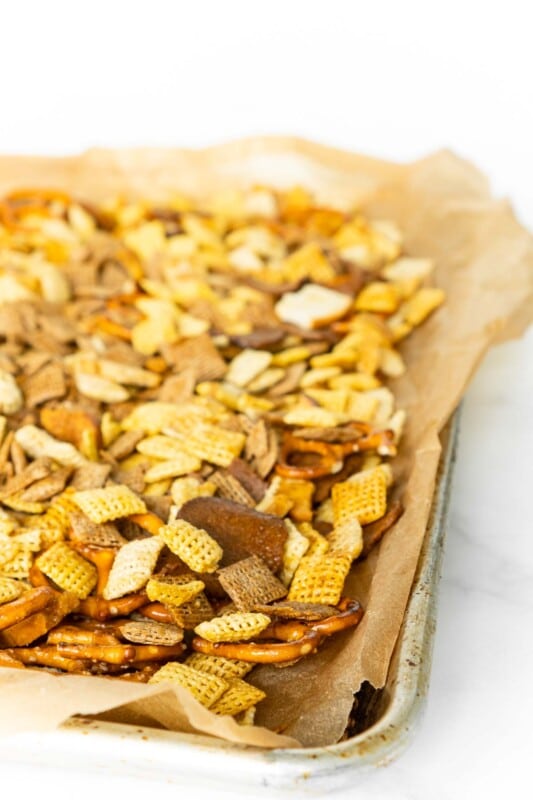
point(197, 425)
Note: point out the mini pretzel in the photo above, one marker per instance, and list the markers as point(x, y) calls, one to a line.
point(157, 612)
point(69, 634)
point(268, 653)
point(142, 675)
point(102, 558)
point(29, 603)
point(157, 652)
point(100, 609)
point(331, 458)
point(46, 657)
point(349, 616)
point(380, 440)
point(106, 325)
point(7, 660)
point(120, 654)
point(149, 521)
point(298, 638)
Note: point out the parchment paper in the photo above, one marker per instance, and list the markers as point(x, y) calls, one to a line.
point(484, 262)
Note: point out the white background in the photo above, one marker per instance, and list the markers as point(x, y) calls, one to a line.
point(395, 80)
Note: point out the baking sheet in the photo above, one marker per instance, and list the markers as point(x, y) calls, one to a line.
point(485, 263)
point(83, 744)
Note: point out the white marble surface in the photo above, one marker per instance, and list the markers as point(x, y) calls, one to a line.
point(395, 80)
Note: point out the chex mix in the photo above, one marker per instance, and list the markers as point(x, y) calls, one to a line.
point(197, 430)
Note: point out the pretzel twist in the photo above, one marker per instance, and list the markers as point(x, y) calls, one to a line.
point(69, 634)
point(46, 657)
point(330, 458)
point(101, 610)
point(298, 638)
point(157, 652)
point(120, 654)
point(157, 612)
point(23, 607)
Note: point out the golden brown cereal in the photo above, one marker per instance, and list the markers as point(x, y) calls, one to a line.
point(382, 298)
point(238, 627)
point(18, 564)
point(109, 503)
point(346, 538)
point(149, 632)
point(291, 609)
point(172, 468)
point(173, 591)
point(10, 589)
point(224, 668)
point(320, 579)
point(363, 496)
point(228, 486)
point(184, 489)
point(300, 492)
point(318, 544)
point(37, 443)
point(421, 305)
point(87, 532)
point(295, 548)
point(238, 697)
point(192, 613)
point(193, 545)
point(249, 582)
point(68, 569)
point(165, 447)
point(204, 687)
point(275, 500)
point(132, 567)
point(247, 366)
point(207, 441)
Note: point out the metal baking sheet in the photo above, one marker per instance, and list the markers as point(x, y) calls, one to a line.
point(395, 710)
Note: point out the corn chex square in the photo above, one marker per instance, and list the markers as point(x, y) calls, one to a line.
point(238, 627)
point(363, 496)
point(18, 564)
point(173, 591)
point(320, 579)
point(204, 687)
point(10, 589)
point(346, 538)
point(111, 502)
point(184, 489)
point(193, 545)
point(318, 544)
point(66, 568)
point(238, 697)
point(296, 546)
point(165, 448)
point(133, 567)
point(172, 468)
point(207, 441)
point(224, 668)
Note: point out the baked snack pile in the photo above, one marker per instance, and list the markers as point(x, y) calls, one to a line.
point(197, 425)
